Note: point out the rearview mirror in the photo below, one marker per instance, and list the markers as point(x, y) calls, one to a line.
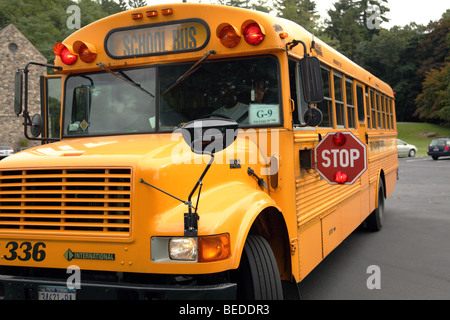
point(311, 79)
point(18, 88)
point(207, 136)
point(36, 125)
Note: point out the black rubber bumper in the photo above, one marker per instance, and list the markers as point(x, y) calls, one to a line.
point(20, 288)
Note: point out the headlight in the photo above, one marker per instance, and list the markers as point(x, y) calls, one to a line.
point(183, 249)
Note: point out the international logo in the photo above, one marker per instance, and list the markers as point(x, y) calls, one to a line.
point(69, 255)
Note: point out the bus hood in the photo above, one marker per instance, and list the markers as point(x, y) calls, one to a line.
point(124, 150)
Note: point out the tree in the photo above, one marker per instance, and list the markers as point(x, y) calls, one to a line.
point(343, 26)
point(44, 22)
point(434, 101)
point(302, 12)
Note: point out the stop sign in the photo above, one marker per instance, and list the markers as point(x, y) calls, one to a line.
point(341, 158)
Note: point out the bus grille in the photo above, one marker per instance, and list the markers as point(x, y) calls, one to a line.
point(73, 201)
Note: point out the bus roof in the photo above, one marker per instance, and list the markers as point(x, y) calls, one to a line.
point(209, 19)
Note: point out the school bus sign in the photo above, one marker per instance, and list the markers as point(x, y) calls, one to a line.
point(341, 158)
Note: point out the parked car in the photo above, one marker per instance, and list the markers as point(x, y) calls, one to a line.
point(5, 151)
point(406, 149)
point(439, 147)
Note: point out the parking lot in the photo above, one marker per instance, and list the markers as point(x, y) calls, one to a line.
point(410, 256)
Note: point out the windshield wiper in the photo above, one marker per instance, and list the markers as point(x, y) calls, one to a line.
point(124, 77)
point(188, 73)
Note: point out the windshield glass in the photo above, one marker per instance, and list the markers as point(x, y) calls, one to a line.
point(136, 101)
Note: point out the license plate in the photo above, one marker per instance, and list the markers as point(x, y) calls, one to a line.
point(56, 293)
point(436, 149)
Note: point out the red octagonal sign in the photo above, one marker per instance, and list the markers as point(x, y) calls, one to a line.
point(341, 158)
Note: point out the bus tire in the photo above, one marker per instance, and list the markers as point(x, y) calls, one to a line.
point(374, 221)
point(258, 276)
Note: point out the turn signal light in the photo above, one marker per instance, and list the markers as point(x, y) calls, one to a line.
point(228, 35)
point(253, 33)
point(214, 248)
point(62, 51)
point(85, 51)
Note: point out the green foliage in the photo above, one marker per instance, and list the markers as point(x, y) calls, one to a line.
point(418, 134)
point(302, 12)
point(43, 22)
point(413, 59)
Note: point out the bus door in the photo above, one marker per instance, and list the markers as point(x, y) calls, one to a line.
point(51, 97)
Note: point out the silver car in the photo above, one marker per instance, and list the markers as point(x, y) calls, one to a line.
point(406, 149)
point(5, 151)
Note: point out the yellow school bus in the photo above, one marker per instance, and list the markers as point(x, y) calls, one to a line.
point(178, 159)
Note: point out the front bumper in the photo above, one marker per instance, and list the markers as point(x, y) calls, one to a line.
point(23, 288)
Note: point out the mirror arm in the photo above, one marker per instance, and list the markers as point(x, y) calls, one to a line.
point(294, 43)
point(26, 114)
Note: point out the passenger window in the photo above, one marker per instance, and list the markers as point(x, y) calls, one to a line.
point(326, 106)
point(373, 107)
point(349, 101)
point(360, 102)
point(339, 100)
point(369, 124)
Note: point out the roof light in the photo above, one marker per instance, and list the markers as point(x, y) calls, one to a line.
point(62, 51)
point(151, 14)
point(228, 35)
point(137, 16)
point(284, 35)
point(253, 33)
point(85, 51)
point(167, 11)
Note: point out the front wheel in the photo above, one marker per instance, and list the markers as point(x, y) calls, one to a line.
point(258, 277)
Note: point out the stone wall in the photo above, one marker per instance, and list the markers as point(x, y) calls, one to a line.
point(15, 52)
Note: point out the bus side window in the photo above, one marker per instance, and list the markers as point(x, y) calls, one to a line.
point(360, 102)
point(369, 124)
point(339, 99)
point(350, 103)
point(297, 93)
point(326, 106)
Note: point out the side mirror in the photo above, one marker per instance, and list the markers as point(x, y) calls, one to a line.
point(311, 79)
point(207, 136)
point(36, 125)
point(18, 89)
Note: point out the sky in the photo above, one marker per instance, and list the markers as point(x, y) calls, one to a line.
point(402, 11)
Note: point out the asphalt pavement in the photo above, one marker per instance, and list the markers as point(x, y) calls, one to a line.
point(409, 258)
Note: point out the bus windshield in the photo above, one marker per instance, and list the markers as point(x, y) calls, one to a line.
point(145, 100)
